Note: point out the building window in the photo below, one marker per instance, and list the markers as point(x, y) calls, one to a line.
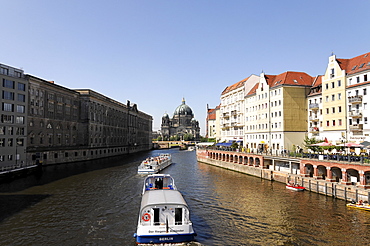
point(326, 86)
point(339, 109)
point(8, 83)
point(332, 85)
point(4, 70)
point(333, 97)
point(19, 120)
point(21, 87)
point(339, 83)
point(333, 122)
point(21, 98)
point(7, 118)
point(327, 110)
point(8, 107)
point(339, 96)
point(365, 120)
point(327, 123)
point(358, 79)
point(340, 122)
point(8, 95)
point(364, 92)
point(333, 110)
point(20, 108)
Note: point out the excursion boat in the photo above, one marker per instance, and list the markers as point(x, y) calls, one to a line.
point(359, 205)
point(155, 164)
point(296, 187)
point(164, 216)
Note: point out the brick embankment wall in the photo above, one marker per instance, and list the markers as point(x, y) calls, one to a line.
point(337, 190)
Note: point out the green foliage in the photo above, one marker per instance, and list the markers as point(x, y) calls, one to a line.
point(234, 145)
point(188, 137)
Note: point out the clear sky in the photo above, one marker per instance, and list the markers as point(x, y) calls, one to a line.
point(156, 52)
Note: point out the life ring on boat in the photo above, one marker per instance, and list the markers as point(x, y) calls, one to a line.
point(146, 217)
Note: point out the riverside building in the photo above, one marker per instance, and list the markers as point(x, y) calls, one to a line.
point(276, 112)
point(13, 123)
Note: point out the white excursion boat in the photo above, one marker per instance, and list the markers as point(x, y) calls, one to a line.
point(295, 187)
point(155, 164)
point(164, 215)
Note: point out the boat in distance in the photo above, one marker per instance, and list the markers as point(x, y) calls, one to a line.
point(359, 205)
point(155, 164)
point(164, 216)
point(295, 187)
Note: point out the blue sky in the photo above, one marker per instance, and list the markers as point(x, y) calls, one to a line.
point(156, 52)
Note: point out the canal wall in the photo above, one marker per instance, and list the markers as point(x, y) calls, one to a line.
point(333, 189)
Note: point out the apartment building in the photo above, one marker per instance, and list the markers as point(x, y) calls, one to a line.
point(232, 109)
point(315, 116)
point(13, 123)
point(358, 100)
point(213, 123)
point(276, 112)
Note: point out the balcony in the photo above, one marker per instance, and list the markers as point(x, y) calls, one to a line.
point(226, 115)
point(356, 128)
point(355, 99)
point(314, 118)
point(233, 113)
point(313, 106)
point(314, 129)
point(355, 114)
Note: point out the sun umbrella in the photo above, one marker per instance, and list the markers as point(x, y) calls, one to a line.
point(366, 144)
point(322, 144)
point(352, 145)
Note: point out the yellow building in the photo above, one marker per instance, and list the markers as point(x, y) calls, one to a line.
point(334, 101)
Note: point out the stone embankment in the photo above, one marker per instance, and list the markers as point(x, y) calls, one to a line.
point(321, 186)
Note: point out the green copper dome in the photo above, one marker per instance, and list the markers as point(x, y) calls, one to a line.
point(183, 109)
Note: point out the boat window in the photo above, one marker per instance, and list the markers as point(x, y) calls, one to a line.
point(178, 216)
point(156, 216)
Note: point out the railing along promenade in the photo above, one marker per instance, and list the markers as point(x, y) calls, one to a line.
point(342, 176)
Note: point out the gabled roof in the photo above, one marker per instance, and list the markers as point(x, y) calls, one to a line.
point(286, 78)
point(253, 90)
point(291, 78)
point(355, 64)
point(234, 86)
point(316, 88)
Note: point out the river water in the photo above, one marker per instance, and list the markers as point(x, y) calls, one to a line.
point(96, 203)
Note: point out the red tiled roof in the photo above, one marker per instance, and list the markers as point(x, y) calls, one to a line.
point(317, 80)
point(253, 90)
point(291, 78)
point(355, 64)
point(234, 86)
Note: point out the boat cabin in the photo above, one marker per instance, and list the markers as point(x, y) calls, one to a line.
point(165, 209)
point(159, 182)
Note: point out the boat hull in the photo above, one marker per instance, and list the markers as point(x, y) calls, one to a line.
point(362, 207)
point(169, 238)
point(295, 188)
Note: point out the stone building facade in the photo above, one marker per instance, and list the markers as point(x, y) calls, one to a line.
point(67, 125)
point(13, 112)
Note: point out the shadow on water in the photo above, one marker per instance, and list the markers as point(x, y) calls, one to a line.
point(53, 173)
point(13, 204)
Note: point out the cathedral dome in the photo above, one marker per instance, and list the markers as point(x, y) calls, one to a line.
point(165, 115)
point(183, 109)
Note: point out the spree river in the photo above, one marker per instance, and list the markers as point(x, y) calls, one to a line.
point(97, 203)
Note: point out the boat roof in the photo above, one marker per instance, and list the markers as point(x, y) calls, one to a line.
point(162, 197)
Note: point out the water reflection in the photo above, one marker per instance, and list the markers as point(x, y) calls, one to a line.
point(97, 204)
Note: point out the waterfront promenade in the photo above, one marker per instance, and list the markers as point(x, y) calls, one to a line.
point(347, 179)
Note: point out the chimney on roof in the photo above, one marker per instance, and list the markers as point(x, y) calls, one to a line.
point(51, 81)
